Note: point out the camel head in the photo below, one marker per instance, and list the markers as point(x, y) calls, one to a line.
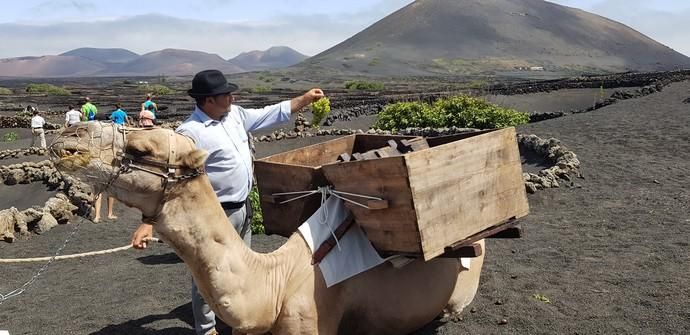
point(134, 165)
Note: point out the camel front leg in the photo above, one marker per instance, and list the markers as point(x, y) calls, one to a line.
point(466, 286)
point(297, 318)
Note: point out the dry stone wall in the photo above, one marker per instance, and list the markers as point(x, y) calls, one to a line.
point(566, 165)
point(23, 122)
point(74, 200)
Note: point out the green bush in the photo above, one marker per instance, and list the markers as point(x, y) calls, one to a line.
point(156, 89)
point(47, 89)
point(10, 137)
point(363, 85)
point(470, 112)
point(258, 219)
point(5, 91)
point(459, 111)
point(406, 114)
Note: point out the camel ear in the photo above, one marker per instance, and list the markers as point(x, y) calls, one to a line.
point(195, 159)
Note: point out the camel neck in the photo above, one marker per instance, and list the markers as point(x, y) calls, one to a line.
point(237, 282)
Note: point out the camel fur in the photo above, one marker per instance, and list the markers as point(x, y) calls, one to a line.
point(279, 292)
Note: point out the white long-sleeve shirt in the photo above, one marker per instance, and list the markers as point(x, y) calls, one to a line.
point(229, 164)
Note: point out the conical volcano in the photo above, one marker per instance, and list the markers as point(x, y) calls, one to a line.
point(489, 36)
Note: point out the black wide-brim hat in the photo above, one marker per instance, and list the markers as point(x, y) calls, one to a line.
point(209, 83)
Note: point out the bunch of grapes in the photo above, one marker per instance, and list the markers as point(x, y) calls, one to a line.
point(320, 109)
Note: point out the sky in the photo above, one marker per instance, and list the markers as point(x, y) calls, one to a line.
point(229, 27)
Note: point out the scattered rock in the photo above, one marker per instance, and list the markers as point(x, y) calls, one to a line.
point(46, 223)
point(503, 322)
point(7, 224)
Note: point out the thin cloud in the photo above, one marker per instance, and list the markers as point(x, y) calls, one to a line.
point(308, 34)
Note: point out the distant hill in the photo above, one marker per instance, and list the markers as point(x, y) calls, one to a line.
point(103, 55)
point(49, 66)
point(86, 62)
point(174, 62)
point(273, 58)
point(488, 36)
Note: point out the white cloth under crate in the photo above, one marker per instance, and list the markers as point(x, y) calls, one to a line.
point(354, 253)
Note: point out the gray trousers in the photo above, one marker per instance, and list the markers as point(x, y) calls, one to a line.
point(204, 318)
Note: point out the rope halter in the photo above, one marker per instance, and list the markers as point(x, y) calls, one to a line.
point(106, 158)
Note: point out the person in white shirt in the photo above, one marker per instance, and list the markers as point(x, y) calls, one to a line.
point(72, 116)
point(37, 123)
point(221, 128)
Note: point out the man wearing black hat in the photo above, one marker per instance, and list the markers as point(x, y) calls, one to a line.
point(219, 127)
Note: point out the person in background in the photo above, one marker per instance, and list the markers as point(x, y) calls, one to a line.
point(146, 117)
point(88, 110)
point(148, 103)
point(39, 137)
point(72, 116)
point(118, 116)
point(218, 126)
point(97, 208)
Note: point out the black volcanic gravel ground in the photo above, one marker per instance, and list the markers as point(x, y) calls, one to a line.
point(611, 256)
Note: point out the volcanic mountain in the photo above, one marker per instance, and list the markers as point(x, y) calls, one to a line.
point(174, 62)
point(49, 66)
point(103, 55)
point(87, 62)
point(490, 36)
point(273, 58)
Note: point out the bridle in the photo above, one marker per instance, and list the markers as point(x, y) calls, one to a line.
point(171, 174)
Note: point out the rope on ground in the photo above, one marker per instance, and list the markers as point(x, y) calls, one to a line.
point(84, 254)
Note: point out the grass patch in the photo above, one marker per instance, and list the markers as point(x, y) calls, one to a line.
point(364, 85)
point(156, 89)
point(10, 137)
point(265, 78)
point(48, 89)
point(542, 298)
point(262, 89)
point(5, 91)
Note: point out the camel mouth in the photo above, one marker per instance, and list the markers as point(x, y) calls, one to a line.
point(68, 156)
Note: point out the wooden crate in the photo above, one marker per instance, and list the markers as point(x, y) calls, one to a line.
point(300, 170)
point(463, 184)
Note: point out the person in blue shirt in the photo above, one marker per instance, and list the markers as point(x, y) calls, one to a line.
point(118, 116)
point(148, 103)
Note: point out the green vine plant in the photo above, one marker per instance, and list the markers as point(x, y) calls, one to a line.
point(10, 137)
point(458, 111)
point(258, 218)
point(320, 109)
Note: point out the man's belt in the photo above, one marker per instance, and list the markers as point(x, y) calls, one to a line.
point(36, 127)
point(232, 205)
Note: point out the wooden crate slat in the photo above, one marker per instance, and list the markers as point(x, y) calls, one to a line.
point(315, 155)
point(394, 241)
point(482, 185)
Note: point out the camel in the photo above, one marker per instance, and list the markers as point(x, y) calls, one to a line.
point(278, 293)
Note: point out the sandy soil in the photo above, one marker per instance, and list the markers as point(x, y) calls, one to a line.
point(611, 256)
